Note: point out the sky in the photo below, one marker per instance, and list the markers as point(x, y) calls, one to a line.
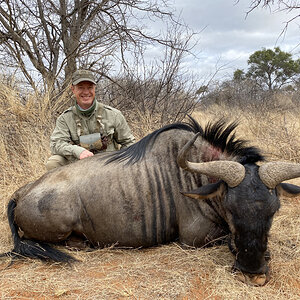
point(229, 36)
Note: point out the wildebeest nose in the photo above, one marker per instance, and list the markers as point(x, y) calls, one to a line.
point(262, 269)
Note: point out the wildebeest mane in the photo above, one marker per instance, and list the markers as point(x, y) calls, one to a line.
point(219, 134)
point(137, 151)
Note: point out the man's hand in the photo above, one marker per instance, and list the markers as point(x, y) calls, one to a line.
point(85, 153)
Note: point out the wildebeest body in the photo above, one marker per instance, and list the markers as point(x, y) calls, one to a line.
point(131, 205)
point(133, 197)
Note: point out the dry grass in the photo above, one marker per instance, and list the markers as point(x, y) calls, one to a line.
point(166, 272)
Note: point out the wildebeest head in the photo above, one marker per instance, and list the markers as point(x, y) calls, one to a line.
point(249, 197)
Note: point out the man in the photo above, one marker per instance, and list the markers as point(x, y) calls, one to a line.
point(88, 127)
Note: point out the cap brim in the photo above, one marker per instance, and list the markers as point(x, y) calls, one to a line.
point(83, 79)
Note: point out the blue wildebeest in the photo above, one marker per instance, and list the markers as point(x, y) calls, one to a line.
point(134, 197)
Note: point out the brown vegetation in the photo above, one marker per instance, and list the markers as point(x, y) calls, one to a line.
point(165, 272)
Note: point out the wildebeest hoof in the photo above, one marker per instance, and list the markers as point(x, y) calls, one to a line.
point(73, 244)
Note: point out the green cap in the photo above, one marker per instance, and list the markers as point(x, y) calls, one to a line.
point(83, 75)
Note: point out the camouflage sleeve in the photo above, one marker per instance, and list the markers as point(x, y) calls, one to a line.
point(61, 142)
point(123, 134)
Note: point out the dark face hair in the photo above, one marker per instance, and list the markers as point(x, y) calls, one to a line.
point(250, 209)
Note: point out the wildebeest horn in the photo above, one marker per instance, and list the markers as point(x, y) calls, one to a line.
point(230, 171)
point(273, 173)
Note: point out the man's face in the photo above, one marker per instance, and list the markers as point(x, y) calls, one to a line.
point(84, 93)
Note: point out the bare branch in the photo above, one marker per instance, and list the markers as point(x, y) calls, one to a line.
point(55, 37)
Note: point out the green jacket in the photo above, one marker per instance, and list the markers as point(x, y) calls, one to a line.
point(64, 140)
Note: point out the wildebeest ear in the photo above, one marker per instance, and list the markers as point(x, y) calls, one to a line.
point(206, 191)
point(288, 190)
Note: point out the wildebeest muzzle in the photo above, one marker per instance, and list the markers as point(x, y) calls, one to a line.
point(251, 268)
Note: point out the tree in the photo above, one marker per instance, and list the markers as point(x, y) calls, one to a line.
point(163, 90)
point(272, 69)
point(288, 6)
point(47, 40)
point(238, 75)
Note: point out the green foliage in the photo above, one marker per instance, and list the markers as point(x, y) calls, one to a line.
point(238, 75)
point(272, 69)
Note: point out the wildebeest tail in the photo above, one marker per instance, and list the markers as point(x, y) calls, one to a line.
point(29, 248)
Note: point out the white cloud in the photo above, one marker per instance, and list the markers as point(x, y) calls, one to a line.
point(230, 37)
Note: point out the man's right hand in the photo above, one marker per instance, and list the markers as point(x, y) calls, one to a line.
point(85, 153)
